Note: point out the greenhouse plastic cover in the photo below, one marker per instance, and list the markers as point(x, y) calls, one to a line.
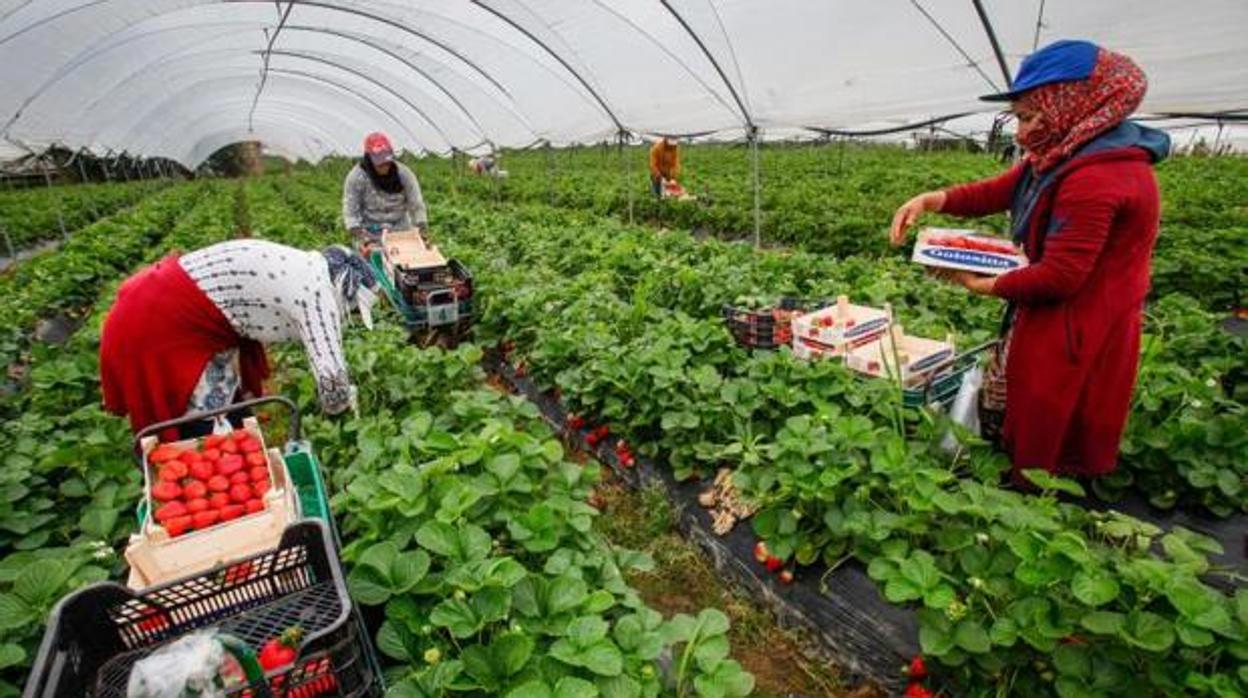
point(181, 78)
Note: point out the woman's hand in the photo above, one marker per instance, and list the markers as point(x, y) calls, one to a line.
point(908, 214)
point(975, 283)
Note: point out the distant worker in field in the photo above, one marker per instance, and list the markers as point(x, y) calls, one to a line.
point(664, 164)
point(381, 193)
point(187, 333)
point(486, 166)
point(1084, 204)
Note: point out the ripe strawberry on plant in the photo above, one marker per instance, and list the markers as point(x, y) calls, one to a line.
point(773, 563)
point(281, 651)
point(575, 422)
point(916, 690)
point(917, 669)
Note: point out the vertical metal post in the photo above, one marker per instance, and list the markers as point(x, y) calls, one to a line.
point(60, 216)
point(108, 177)
point(624, 173)
point(752, 134)
point(550, 172)
point(8, 242)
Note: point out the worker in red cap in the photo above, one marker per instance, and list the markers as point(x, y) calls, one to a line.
point(381, 193)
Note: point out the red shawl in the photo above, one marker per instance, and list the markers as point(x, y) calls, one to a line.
point(158, 337)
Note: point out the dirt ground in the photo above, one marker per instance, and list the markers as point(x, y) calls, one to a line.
point(684, 581)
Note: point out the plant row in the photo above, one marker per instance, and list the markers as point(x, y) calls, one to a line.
point(839, 199)
point(33, 215)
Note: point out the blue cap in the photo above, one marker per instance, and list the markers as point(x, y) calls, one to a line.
point(1060, 61)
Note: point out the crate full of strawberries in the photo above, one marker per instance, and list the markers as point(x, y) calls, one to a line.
point(208, 501)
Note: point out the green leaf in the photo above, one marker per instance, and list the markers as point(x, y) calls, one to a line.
point(1052, 483)
point(11, 655)
point(532, 689)
point(391, 643)
point(367, 588)
point(587, 630)
point(598, 602)
point(1104, 622)
point(565, 594)
point(972, 637)
point(710, 652)
point(98, 522)
point(572, 687)
point(440, 538)
point(14, 612)
point(1148, 631)
point(1094, 588)
point(622, 686)
point(42, 582)
point(603, 658)
point(935, 633)
point(1073, 660)
point(408, 569)
point(1004, 632)
point(380, 557)
point(728, 681)
point(713, 622)
point(511, 652)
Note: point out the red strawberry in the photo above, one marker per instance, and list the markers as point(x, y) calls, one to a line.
point(190, 457)
point(281, 651)
point(242, 477)
point(250, 445)
point(177, 525)
point(228, 465)
point(575, 422)
point(786, 576)
point(164, 453)
point(197, 505)
point(166, 491)
point(229, 446)
point(254, 505)
point(206, 518)
point(170, 510)
point(258, 473)
point(915, 690)
point(760, 552)
point(212, 454)
point(194, 489)
point(240, 493)
point(219, 500)
point(917, 671)
point(256, 459)
point(219, 483)
point(260, 488)
point(213, 441)
point(773, 563)
point(202, 470)
point(231, 512)
point(172, 471)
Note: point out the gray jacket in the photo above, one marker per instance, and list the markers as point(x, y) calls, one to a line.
point(364, 204)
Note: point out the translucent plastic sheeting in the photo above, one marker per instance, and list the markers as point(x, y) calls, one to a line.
point(173, 78)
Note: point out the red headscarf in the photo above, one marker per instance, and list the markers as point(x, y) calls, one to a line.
point(1075, 112)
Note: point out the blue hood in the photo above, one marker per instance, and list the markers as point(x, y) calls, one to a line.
point(1130, 134)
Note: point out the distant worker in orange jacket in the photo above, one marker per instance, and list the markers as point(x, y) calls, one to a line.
point(664, 164)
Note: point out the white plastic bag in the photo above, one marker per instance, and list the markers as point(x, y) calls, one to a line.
point(191, 666)
point(965, 409)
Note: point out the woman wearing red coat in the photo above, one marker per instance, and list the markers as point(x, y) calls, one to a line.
point(1084, 204)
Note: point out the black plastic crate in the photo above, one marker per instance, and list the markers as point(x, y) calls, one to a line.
point(771, 327)
point(96, 635)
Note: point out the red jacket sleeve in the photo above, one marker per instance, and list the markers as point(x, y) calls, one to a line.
point(1083, 213)
point(982, 198)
